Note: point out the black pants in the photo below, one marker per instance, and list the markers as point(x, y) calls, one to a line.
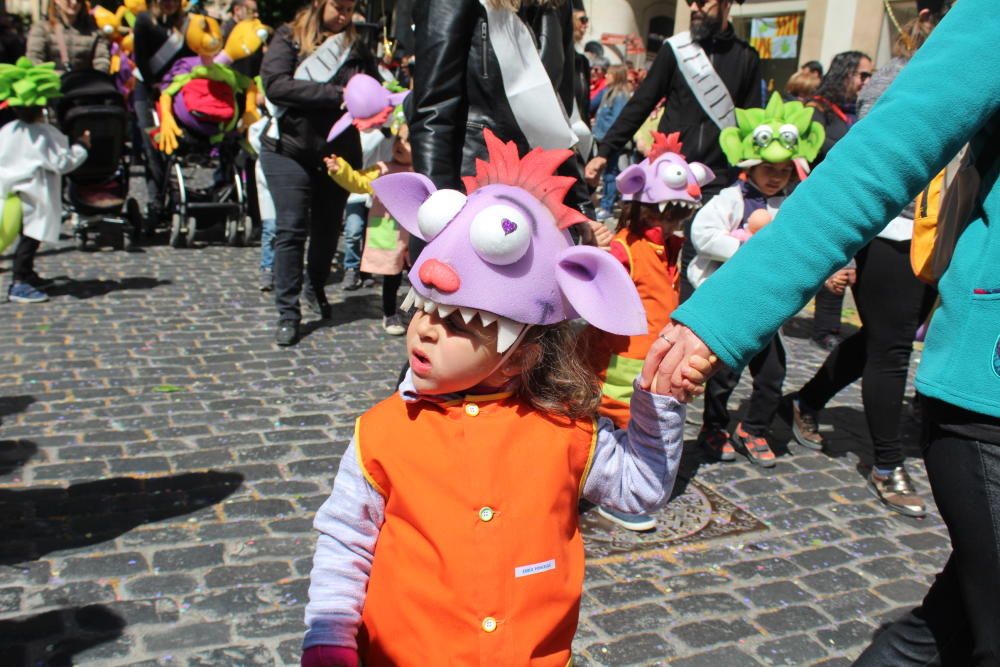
point(310, 206)
point(390, 285)
point(829, 309)
point(958, 622)
point(768, 370)
point(24, 258)
point(892, 303)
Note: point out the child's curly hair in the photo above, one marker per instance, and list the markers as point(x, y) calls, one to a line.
point(559, 381)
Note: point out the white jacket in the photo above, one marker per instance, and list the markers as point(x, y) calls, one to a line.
point(710, 231)
point(33, 159)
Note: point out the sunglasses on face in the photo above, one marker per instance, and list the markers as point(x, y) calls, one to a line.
point(700, 3)
point(584, 20)
point(865, 75)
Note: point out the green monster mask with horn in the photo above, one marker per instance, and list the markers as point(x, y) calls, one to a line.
point(25, 84)
point(780, 132)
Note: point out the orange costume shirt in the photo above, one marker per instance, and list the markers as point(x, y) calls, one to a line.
point(480, 558)
point(652, 264)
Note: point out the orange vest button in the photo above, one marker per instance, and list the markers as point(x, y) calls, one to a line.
point(471, 409)
point(489, 624)
point(486, 514)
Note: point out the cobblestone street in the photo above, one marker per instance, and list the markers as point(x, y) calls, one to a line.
point(161, 461)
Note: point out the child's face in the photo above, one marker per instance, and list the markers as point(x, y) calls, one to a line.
point(447, 355)
point(401, 149)
point(668, 220)
point(771, 179)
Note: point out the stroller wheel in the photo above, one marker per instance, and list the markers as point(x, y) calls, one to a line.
point(232, 232)
point(192, 228)
point(247, 230)
point(177, 240)
point(81, 240)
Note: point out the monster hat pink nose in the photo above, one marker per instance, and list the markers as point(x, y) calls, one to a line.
point(439, 276)
point(694, 189)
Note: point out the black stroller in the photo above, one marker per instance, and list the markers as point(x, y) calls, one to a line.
point(97, 191)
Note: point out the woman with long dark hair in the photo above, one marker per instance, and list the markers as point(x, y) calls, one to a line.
point(835, 102)
point(307, 65)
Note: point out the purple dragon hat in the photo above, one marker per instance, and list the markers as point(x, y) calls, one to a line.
point(665, 177)
point(503, 253)
point(367, 104)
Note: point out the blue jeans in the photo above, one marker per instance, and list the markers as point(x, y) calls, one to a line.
point(267, 229)
point(611, 172)
point(355, 219)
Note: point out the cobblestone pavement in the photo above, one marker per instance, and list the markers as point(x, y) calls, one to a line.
point(161, 460)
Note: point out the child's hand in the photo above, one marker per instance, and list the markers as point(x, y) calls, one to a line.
point(838, 282)
point(329, 656)
point(332, 165)
point(697, 371)
point(602, 234)
point(84, 139)
point(383, 168)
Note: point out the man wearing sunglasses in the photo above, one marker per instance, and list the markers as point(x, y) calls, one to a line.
point(727, 61)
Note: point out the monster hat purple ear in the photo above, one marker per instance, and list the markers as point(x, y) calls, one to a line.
point(367, 104)
point(503, 253)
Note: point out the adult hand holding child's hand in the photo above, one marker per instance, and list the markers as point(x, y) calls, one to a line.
point(678, 364)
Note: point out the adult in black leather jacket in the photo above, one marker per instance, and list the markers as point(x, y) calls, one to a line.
point(458, 90)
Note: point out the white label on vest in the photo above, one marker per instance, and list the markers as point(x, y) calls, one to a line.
point(528, 570)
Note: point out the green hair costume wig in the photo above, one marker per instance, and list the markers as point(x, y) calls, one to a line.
point(25, 84)
point(780, 132)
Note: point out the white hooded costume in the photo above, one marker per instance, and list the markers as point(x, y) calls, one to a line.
point(33, 159)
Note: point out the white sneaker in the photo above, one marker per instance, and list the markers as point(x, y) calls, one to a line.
point(393, 325)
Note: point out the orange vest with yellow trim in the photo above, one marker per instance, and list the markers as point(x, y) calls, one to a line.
point(480, 558)
point(617, 359)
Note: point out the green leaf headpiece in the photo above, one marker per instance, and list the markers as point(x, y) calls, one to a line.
point(780, 132)
point(25, 84)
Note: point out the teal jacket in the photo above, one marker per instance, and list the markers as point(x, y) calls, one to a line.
point(948, 94)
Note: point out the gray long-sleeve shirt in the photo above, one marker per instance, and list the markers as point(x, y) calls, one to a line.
point(632, 471)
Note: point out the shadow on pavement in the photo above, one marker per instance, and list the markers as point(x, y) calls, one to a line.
point(14, 454)
point(353, 308)
point(87, 289)
point(11, 405)
point(35, 522)
point(54, 637)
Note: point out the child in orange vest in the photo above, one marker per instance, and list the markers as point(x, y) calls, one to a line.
point(659, 193)
point(452, 534)
point(385, 241)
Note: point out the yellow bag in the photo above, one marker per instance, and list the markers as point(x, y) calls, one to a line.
point(943, 209)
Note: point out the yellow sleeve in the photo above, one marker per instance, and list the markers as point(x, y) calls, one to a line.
point(352, 180)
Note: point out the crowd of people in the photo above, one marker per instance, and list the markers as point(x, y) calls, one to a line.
point(520, 181)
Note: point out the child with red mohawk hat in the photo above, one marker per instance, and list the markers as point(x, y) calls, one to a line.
point(452, 535)
point(659, 194)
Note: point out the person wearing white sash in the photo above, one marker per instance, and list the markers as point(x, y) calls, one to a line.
point(703, 74)
point(307, 65)
point(506, 65)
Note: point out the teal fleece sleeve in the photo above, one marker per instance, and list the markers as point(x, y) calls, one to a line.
point(947, 92)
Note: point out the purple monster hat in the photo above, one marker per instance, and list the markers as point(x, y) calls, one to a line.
point(365, 99)
point(502, 252)
point(665, 177)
